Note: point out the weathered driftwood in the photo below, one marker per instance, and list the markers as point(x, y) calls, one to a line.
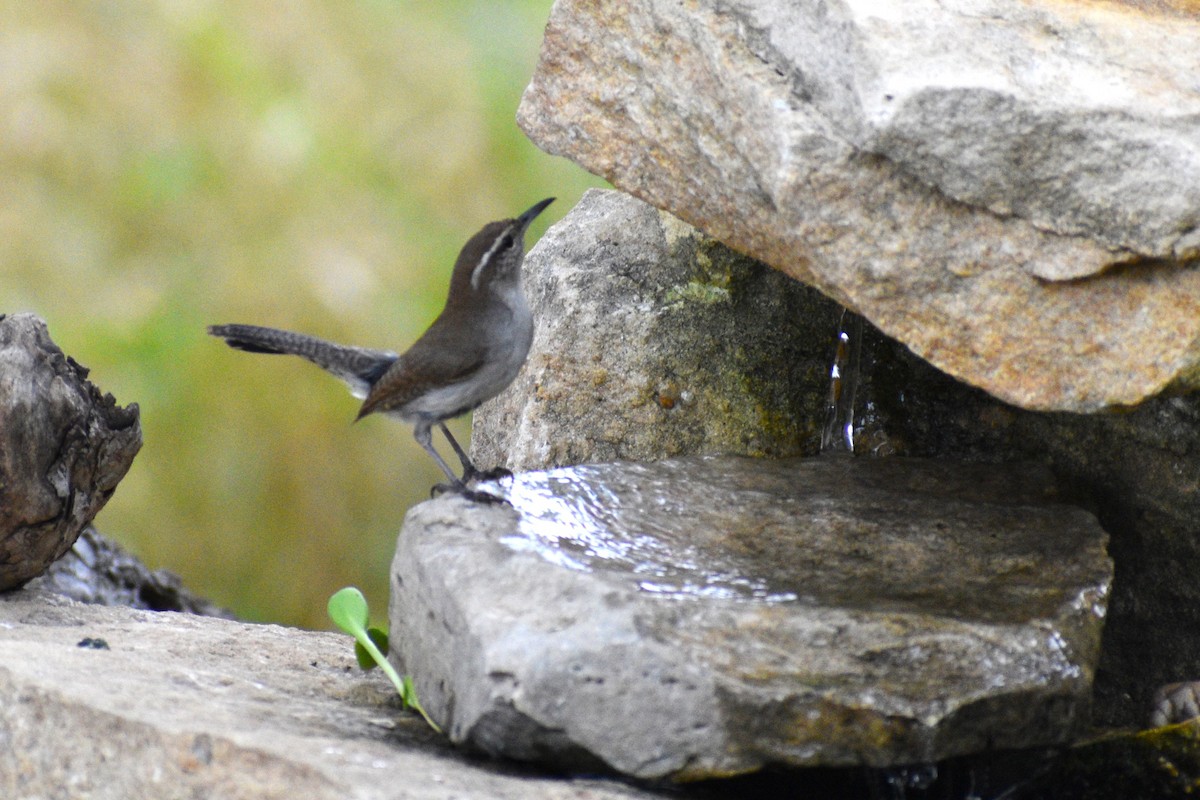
point(98, 570)
point(64, 446)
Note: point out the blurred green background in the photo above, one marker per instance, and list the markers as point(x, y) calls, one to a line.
point(168, 164)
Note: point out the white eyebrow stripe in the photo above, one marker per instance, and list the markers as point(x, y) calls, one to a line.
point(483, 262)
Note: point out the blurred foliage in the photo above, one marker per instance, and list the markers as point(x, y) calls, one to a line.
point(165, 164)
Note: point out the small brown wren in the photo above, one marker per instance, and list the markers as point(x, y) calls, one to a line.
point(470, 353)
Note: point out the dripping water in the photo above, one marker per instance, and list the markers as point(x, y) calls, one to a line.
point(844, 376)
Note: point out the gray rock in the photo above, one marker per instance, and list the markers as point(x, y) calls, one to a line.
point(112, 704)
point(63, 449)
point(1009, 190)
point(1175, 702)
point(706, 616)
point(1138, 470)
point(653, 340)
point(1035, 111)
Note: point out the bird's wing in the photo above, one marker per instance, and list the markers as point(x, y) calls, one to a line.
point(418, 371)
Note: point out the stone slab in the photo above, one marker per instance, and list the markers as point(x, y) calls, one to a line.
point(181, 706)
point(707, 616)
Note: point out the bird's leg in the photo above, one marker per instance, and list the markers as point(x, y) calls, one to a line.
point(425, 439)
point(421, 432)
point(470, 473)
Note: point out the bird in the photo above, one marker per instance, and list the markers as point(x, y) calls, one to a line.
point(471, 352)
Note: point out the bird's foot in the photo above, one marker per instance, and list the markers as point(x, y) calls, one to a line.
point(472, 475)
point(461, 490)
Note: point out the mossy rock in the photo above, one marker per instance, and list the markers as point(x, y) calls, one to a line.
point(1160, 763)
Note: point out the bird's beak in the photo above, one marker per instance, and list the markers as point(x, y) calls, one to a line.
point(528, 217)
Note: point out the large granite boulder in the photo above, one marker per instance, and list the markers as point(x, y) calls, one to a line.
point(706, 616)
point(1008, 189)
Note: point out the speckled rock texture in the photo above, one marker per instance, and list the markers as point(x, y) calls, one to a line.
point(1009, 189)
point(654, 340)
point(708, 616)
point(64, 447)
point(114, 704)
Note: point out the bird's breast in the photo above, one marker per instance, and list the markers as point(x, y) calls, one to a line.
point(509, 351)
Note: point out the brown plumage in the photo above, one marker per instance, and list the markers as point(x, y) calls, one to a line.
point(470, 353)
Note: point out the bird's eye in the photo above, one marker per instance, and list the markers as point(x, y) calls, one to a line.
point(507, 242)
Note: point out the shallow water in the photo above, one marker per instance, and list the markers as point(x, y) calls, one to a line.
point(972, 541)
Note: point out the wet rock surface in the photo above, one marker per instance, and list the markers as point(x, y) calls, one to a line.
point(959, 173)
point(703, 617)
point(63, 449)
point(116, 703)
point(1137, 470)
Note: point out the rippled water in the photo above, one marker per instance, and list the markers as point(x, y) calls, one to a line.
point(573, 518)
point(970, 540)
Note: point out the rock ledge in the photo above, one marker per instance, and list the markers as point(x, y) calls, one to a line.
point(112, 703)
point(706, 616)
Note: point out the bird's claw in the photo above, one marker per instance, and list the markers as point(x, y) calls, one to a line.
point(461, 490)
point(486, 498)
point(473, 475)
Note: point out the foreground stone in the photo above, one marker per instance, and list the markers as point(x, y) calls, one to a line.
point(1008, 189)
point(64, 447)
point(707, 616)
point(112, 703)
point(653, 341)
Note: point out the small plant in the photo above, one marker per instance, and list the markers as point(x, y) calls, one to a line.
point(348, 610)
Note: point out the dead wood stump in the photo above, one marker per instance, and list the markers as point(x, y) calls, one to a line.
point(64, 447)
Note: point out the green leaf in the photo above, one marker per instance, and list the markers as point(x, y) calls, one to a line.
point(380, 638)
point(348, 610)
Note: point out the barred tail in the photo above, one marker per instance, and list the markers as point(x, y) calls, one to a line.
point(356, 366)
